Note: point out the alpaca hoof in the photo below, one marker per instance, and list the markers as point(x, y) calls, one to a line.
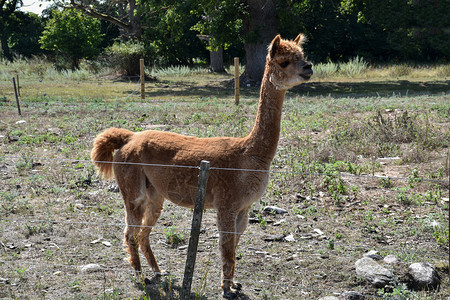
point(237, 286)
point(229, 294)
point(232, 292)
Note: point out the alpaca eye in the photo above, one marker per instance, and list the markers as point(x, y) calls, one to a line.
point(284, 64)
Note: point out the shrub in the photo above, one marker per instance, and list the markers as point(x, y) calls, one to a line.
point(325, 70)
point(126, 56)
point(354, 67)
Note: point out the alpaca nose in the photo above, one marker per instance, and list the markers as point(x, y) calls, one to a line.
point(307, 68)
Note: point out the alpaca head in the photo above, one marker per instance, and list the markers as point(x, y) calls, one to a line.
point(286, 66)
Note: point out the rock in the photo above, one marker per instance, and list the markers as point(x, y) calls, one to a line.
point(318, 231)
point(329, 298)
point(4, 280)
point(113, 188)
point(289, 238)
point(373, 254)
point(274, 238)
point(370, 270)
point(21, 122)
point(275, 210)
point(391, 259)
point(90, 268)
point(106, 243)
point(423, 276)
point(279, 222)
point(350, 295)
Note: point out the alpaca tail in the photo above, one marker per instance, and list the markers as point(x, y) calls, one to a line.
point(104, 145)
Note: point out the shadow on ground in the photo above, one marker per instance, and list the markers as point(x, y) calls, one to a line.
point(160, 288)
point(224, 89)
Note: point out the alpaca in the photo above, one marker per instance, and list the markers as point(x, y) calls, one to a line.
point(229, 192)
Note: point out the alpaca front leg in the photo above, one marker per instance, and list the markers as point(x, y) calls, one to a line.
point(227, 243)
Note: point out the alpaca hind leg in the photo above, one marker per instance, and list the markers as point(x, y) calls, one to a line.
point(152, 210)
point(131, 234)
point(131, 183)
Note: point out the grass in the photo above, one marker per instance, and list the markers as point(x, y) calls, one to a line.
point(53, 206)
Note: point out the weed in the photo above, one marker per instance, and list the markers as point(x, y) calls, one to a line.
point(261, 221)
point(414, 178)
point(330, 245)
point(386, 182)
point(42, 227)
point(173, 237)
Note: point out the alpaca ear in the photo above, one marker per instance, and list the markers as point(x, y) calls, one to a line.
point(300, 39)
point(274, 46)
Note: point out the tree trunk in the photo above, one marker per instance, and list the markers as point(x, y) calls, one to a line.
point(135, 20)
point(260, 27)
point(216, 58)
point(5, 48)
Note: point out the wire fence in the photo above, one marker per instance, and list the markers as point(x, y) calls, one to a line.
point(211, 234)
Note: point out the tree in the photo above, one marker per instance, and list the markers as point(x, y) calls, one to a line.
point(71, 34)
point(251, 22)
point(7, 8)
point(25, 31)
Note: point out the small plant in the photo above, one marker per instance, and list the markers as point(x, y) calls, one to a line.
point(261, 221)
point(386, 183)
point(21, 273)
point(414, 178)
point(330, 245)
point(173, 238)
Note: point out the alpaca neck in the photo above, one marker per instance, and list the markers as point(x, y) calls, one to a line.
point(263, 139)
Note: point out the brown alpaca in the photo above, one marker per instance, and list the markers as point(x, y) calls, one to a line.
point(229, 192)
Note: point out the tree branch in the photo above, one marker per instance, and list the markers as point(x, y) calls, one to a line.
point(95, 14)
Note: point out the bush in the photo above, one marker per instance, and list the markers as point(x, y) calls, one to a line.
point(354, 67)
point(325, 70)
point(126, 56)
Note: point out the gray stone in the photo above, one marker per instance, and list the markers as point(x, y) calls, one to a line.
point(275, 210)
point(370, 270)
point(351, 295)
point(424, 276)
point(391, 259)
point(373, 254)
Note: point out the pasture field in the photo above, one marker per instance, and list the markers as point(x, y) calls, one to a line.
point(362, 164)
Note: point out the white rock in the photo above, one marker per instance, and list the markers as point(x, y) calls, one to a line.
point(90, 268)
point(106, 243)
point(424, 275)
point(391, 259)
point(289, 238)
point(279, 222)
point(21, 122)
point(318, 231)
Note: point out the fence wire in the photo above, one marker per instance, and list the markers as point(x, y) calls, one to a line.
point(319, 246)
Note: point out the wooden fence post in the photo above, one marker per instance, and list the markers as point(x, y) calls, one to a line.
point(17, 97)
point(236, 80)
point(142, 71)
point(195, 230)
